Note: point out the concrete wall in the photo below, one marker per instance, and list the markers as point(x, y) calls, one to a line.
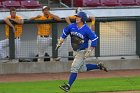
point(41, 67)
point(97, 12)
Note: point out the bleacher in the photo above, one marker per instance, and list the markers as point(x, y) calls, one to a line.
point(32, 4)
point(0, 4)
point(110, 3)
point(29, 4)
point(102, 3)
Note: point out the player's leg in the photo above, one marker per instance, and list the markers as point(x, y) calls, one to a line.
point(96, 66)
point(77, 63)
point(1, 51)
point(46, 45)
point(91, 66)
point(40, 48)
point(4, 44)
point(102, 67)
point(17, 47)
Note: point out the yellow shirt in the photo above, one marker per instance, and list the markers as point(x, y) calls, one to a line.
point(72, 17)
point(44, 29)
point(18, 28)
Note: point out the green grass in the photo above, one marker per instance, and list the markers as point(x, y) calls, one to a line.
point(80, 86)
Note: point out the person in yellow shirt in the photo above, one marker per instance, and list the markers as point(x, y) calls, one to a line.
point(79, 9)
point(17, 28)
point(44, 31)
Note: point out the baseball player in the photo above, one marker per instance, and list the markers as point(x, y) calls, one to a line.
point(17, 28)
point(79, 9)
point(80, 34)
point(44, 30)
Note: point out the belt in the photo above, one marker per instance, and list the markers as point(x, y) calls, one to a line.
point(17, 37)
point(44, 36)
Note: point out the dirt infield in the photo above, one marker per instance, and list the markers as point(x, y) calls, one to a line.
point(60, 76)
point(123, 92)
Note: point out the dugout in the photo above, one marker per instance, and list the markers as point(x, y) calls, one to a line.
point(117, 28)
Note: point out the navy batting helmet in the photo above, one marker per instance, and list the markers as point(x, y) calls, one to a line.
point(83, 16)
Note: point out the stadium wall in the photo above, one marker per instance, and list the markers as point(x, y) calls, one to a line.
point(54, 67)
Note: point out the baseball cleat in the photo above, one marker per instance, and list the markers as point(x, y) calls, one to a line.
point(102, 67)
point(65, 87)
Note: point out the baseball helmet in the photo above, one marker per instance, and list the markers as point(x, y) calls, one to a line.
point(83, 16)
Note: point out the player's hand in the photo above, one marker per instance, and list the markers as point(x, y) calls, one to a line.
point(60, 41)
point(88, 52)
point(92, 18)
point(48, 13)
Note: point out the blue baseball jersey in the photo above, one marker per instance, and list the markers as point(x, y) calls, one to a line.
point(85, 33)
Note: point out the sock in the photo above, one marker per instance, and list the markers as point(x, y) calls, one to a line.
point(72, 78)
point(91, 66)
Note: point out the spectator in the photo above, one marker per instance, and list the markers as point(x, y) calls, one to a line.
point(17, 28)
point(44, 31)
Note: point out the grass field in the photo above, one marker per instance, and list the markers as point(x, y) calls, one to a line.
point(80, 86)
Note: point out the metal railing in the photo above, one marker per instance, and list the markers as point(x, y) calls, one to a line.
point(99, 51)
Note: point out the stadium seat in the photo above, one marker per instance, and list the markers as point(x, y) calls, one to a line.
point(11, 3)
point(91, 3)
point(138, 2)
point(78, 3)
point(127, 2)
point(67, 2)
point(30, 4)
point(110, 2)
point(1, 4)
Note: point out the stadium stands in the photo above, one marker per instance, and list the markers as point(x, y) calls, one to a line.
point(11, 3)
point(30, 4)
point(92, 3)
point(1, 4)
point(100, 3)
point(138, 2)
point(67, 2)
point(127, 2)
point(78, 3)
point(110, 2)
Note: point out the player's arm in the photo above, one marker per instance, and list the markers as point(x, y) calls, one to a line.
point(34, 18)
point(92, 36)
point(92, 22)
point(7, 21)
point(54, 16)
point(19, 20)
point(64, 35)
point(68, 20)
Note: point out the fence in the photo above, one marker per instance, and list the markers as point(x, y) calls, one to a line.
point(118, 36)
